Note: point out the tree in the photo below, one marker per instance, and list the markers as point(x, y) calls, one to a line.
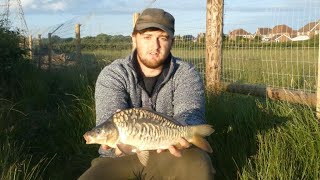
point(187, 37)
point(10, 51)
point(103, 38)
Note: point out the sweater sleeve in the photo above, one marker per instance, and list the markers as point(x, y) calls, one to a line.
point(189, 98)
point(110, 92)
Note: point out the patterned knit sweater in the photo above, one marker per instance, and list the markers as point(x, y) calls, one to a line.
point(179, 91)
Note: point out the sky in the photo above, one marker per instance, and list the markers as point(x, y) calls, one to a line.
point(115, 16)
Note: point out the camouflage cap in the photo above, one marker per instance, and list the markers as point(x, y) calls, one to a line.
point(158, 18)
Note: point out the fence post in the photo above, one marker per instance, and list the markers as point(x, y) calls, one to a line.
point(49, 50)
point(39, 50)
point(30, 47)
point(134, 20)
point(78, 42)
point(318, 82)
point(214, 26)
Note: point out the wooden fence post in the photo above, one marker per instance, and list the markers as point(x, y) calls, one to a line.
point(134, 20)
point(78, 42)
point(318, 83)
point(49, 50)
point(214, 32)
point(30, 47)
point(39, 50)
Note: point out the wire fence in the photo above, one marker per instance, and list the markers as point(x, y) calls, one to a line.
point(55, 45)
point(280, 50)
point(109, 46)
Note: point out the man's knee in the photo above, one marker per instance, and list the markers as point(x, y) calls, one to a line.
point(194, 164)
point(198, 163)
point(112, 168)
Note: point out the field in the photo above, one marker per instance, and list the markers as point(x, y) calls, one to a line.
point(43, 116)
point(291, 68)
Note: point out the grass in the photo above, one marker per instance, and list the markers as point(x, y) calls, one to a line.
point(290, 151)
point(15, 164)
point(260, 139)
point(48, 112)
point(291, 68)
point(43, 116)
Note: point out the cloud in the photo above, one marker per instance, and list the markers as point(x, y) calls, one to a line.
point(310, 3)
point(271, 5)
point(58, 6)
point(27, 3)
point(80, 7)
point(44, 7)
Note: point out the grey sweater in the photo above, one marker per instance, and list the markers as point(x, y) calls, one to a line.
point(178, 93)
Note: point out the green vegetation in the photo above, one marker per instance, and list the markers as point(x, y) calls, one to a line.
point(42, 118)
point(89, 43)
point(293, 68)
point(43, 115)
point(259, 139)
point(9, 49)
point(42, 122)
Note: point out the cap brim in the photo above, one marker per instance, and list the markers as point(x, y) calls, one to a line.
point(142, 26)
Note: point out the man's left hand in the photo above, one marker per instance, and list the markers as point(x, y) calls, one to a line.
point(174, 150)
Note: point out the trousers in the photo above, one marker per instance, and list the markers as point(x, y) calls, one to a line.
point(195, 164)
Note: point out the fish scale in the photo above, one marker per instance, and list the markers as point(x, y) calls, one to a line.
point(140, 130)
point(149, 125)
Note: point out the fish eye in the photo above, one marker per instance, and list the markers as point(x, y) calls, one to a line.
point(98, 131)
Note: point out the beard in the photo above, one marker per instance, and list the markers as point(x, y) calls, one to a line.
point(150, 63)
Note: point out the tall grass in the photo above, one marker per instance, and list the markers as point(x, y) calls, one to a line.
point(17, 165)
point(47, 113)
point(14, 162)
point(291, 151)
point(260, 139)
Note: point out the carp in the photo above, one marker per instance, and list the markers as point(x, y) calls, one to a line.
point(138, 130)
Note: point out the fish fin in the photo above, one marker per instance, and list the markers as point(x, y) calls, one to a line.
point(178, 146)
point(202, 130)
point(143, 157)
point(126, 149)
point(201, 143)
point(171, 119)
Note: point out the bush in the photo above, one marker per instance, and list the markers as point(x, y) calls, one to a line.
point(10, 51)
point(11, 55)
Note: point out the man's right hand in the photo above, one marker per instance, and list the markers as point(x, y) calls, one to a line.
point(117, 150)
point(106, 147)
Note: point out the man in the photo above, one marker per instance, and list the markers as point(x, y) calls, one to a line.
point(152, 77)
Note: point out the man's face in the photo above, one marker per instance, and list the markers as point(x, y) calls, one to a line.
point(153, 47)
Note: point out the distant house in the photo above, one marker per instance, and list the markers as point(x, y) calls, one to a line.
point(280, 33)
point(310, 29)
point(300, 38)
point(283, 29)
point(263, 33)
point(280, 38)
point(240, 33)
point(201, 37)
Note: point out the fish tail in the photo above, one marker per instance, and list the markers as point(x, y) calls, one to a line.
point(200, 131)
point(201, 143)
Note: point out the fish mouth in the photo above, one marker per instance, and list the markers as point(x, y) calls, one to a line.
point(87, 138)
